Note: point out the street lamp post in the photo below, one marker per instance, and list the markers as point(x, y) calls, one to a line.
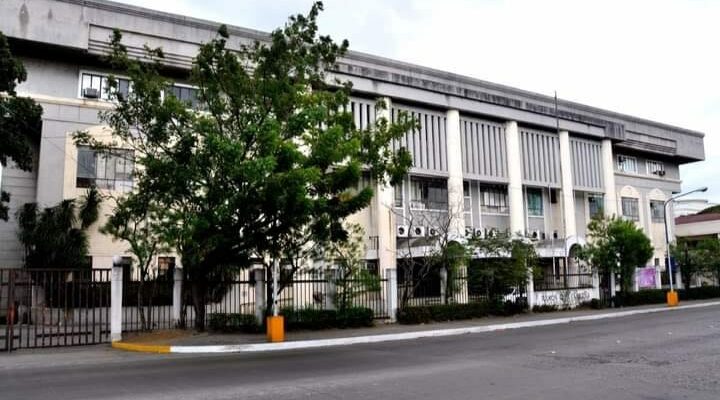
point(672, 297)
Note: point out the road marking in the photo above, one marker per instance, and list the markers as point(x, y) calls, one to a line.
point(391, 337)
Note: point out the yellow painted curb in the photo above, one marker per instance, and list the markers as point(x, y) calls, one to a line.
point(145, 348)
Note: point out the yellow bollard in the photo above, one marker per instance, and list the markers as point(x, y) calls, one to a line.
point(275, 329)
point(672, 298)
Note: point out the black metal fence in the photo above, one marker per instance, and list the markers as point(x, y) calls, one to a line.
point(459, 289)
point(232, 294)
point(53, 307)
point(563, 282)
point(147, 305)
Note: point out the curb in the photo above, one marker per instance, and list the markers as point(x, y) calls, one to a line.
point(144, 348)
point(317, 343)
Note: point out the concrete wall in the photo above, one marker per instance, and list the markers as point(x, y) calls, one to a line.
point(86, 26)
point(21, 185)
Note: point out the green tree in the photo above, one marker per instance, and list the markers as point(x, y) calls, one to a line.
point(347, 268)
point(20, 119)
point(616, 245)
point(709, 254)
point(504, 263)
point(56, 237)
point(266, 166)
point(697, 259)
point(135, 220)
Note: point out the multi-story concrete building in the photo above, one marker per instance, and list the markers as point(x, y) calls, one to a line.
point(490, 157)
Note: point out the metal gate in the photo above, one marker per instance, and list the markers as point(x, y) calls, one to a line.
point(54, 307)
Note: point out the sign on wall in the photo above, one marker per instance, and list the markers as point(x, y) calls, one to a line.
point(646, 277)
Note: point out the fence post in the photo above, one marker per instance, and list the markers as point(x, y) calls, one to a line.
point(116, 287)
point(11, 310)
point(530, 290)
point(177, 296)
point(596, 285)
point(260, 297)
point(443, 285)
point(331, 274)
point(460, 289)
point(636, 283)
point(392, 294)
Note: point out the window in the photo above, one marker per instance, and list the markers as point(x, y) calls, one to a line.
point(655, 168)
point(185, 94)
point(399, 195)
point(630, 209)
point(105, 171)
point(627, 164)
point(535, 202)
point(494, 199)
point(95, 86)
point(657, 210)
point(596, 205)
point(166, 266)
point(428, 194)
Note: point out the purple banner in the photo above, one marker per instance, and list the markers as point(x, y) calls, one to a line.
point(646, 277)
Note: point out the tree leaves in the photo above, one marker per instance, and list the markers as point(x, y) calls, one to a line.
point(20, 119)
point(616, 246)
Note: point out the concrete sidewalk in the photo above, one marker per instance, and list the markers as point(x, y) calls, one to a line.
point(189, 342)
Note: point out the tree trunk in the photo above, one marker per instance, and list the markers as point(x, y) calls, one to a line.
point(198, 294)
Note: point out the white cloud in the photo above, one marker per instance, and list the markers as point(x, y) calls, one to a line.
point(653, 59)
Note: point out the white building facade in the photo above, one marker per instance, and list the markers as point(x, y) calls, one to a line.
point(487, 158)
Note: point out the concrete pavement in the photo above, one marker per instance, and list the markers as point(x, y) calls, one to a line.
point(670, 355)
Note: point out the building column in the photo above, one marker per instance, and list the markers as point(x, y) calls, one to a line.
point(116, 296)
point(385, 216)
point(515, 188)
point(608, 166)
point(456, 199)
point(568, 195)
point(177, 296)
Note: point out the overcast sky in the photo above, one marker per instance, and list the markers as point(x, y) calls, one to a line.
point(656, 59)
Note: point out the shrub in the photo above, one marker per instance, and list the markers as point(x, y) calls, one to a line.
point(314, 319)
point(658, 296)
point(452, 312)
point(699, 293)
point(230, 322)
point(355, 317)
point(629, 299)
point(596, 304)
point(545, 308)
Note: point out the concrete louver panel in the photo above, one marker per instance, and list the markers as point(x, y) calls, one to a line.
point(363, 112)
point(540, 157)
point(484, 149)
point(428, 144)
point(586, 164)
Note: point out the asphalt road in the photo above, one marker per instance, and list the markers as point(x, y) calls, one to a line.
point(673, 355)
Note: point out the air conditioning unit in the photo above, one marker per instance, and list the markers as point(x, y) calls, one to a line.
point(480, 233)
point(90, 93)
point(659, 172)
point(492, 232)
point(556, 235)
point(468, 232)
point(433, 231)
point(402, 231)
point(535, 235)
point(417, 231)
